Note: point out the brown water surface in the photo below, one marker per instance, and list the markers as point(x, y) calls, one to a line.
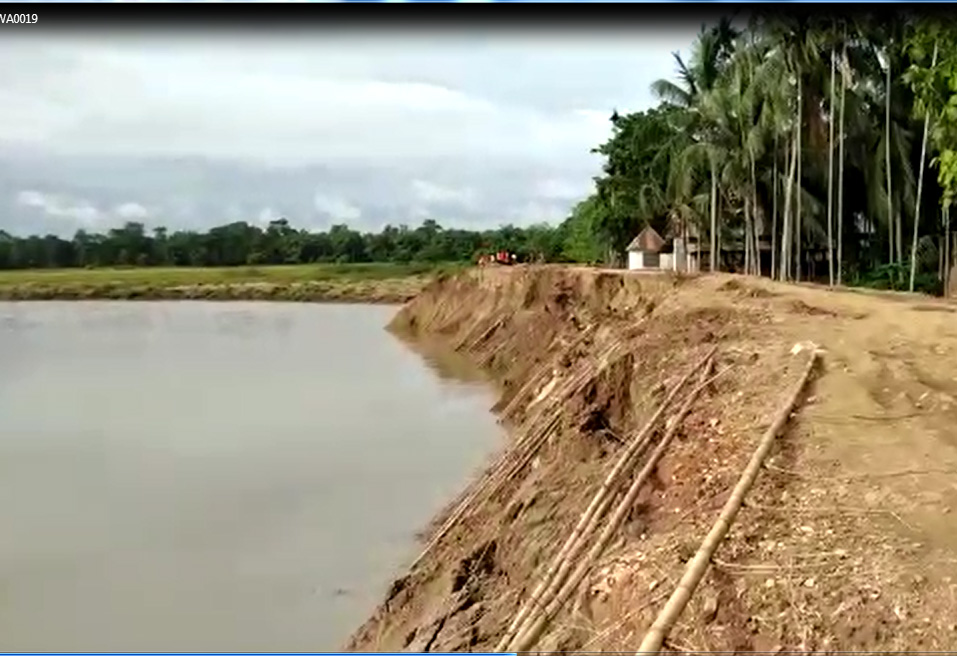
point(216, 476)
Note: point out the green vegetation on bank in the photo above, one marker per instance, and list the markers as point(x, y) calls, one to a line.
point(806, 145)
point(175, 276)
point(242, 244)
point(241, 260)
point(369, 282)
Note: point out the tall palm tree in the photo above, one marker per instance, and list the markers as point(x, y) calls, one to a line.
point(797, 41)
point(920, 184)
point(888, 89)
point(845, 74)
point(710, 53)
point(830, 178)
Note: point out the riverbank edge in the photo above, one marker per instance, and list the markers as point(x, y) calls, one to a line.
point(386, 292)
point(507, 324)
point(582, 358)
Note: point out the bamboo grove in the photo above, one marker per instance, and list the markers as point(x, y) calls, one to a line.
point(799, 147)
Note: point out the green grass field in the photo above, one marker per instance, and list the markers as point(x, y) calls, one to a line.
point(175, 276)
point(377, 283)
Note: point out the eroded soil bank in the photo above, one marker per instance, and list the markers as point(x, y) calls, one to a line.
point(844, 543)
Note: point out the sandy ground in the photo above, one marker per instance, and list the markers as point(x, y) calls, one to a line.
point(847, 542)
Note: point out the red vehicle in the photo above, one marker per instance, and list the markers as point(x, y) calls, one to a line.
point(501, 257)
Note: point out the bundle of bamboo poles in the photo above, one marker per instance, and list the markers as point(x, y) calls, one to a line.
point(515, 459)
point(655, 637)
point(560, 579)
point(505, 469)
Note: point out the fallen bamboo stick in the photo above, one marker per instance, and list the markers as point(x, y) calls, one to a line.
point(492, 481)
point(486, 333)
point(562, 564)
point(598, 504)
point(477, 324)
point(602, 500)
point(519, 465)
point(547, 370)
point(533, 630)
point(694, 572)
point(471, 492)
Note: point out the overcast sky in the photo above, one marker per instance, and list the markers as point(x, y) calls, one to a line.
point(196, 130)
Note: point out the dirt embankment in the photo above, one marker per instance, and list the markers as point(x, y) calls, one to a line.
point(397, 290)
point(844, 543)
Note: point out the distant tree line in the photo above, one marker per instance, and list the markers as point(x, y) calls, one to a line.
point(242, 243)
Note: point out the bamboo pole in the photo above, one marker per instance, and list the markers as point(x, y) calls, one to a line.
point(546, 371)
point(551, 583)
point(490, 484)
point(502, 472)
point(533, 628)
point(510, 463)
point(694, 572)
point(523, 461)
point(596, 507)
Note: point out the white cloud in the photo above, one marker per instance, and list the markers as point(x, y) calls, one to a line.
point(539, 212)
point(430, 192)
point(234, 212)
point(558, 189)
point(80, 211)
point(483, 125)
point(266, 215)
point(131, 211)
point(29, 198)
point(514, 97)
point(336, 208)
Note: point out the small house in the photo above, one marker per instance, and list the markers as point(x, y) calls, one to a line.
point(645, 252)
point(650, 252)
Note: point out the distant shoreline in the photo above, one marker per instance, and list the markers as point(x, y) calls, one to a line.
point(302, 292)
point(342, 283)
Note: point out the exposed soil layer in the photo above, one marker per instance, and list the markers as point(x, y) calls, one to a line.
point(398, 290)
point(846, 541)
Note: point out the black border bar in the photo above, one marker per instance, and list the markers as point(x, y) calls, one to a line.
point(501, 15)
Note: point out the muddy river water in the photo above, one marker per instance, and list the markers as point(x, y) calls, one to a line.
point(216, 476)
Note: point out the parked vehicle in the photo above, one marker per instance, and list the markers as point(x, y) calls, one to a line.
point(501, 257)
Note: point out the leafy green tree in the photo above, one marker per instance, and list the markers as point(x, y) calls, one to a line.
point(581, 243)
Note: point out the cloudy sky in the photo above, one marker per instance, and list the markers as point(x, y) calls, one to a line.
point(471, 129)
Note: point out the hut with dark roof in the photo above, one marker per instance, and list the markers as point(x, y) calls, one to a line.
point(645, 251)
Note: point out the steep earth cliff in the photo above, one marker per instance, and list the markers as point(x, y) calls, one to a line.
point(844, 543)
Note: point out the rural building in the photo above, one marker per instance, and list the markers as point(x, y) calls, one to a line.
point(650, 252)
point(644, 251)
